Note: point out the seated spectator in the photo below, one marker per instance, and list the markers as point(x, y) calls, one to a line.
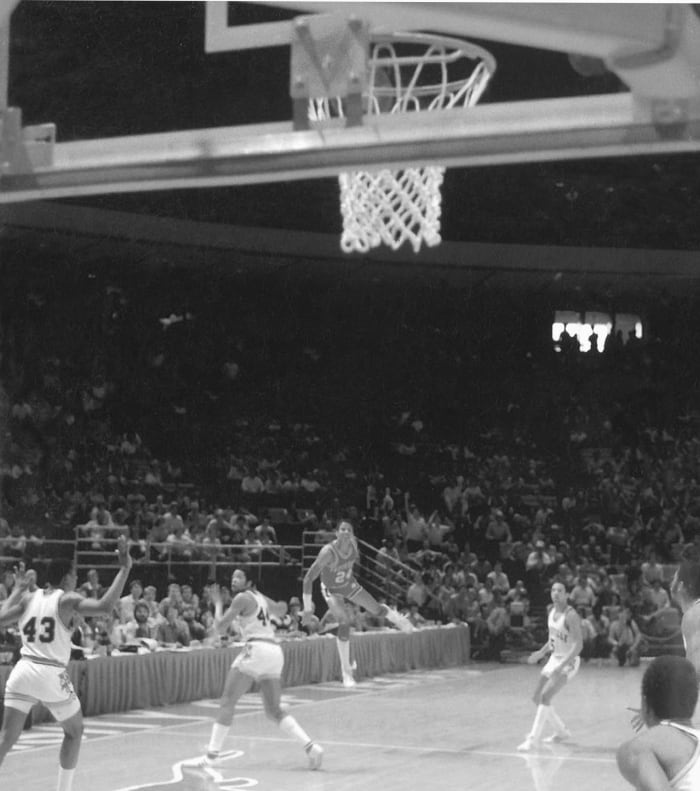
point(517, 607)
point(417, 592)
point(189, 597)
point(651, 570)
point(625, 638)
point(600, 624)
point(538, 557)
point(150, 595)
point(195, 629)
point(92, 588)
point(659, 616)
point(125, 608)
point(486, 593)
point(499, 579)
point(105, 637)
point(582, 594)
point(180, 543)
point(174, 599)
point(173, 630)
point(140, 625)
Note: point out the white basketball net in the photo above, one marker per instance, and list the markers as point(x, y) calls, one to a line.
point(392, 207)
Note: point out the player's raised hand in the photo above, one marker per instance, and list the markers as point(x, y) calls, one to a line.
point(215, 594)
point(637, 722)
point(125, 559)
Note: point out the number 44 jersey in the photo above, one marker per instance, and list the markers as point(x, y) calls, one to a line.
point(44, 636)
point(258, 623)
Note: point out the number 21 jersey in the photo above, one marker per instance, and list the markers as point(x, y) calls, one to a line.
point(44, 636)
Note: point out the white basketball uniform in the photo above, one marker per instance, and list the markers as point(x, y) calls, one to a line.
point(559, 642)
point(688, 779)
point(262, 655)
point(41, 675)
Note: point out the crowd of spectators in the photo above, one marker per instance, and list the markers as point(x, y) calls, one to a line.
point(205, 416)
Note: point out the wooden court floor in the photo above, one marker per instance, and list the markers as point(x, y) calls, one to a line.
point(440, 729)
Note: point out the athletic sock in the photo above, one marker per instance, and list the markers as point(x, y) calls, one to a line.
point(292, 728)
point(539, 723)
point(65, 779)
point(556, 720)
point(216, 740)
point(344, 654)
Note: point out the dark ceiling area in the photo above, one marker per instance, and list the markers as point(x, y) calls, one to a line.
point(117, 68)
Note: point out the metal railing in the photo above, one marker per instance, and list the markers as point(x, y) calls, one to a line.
point(387, 578)
point(99, 553)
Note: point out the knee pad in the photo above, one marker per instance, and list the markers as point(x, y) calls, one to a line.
point(344, 631)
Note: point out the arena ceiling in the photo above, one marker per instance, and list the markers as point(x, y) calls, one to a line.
point(113, 68)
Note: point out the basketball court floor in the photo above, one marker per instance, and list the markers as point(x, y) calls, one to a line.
point(442, 729)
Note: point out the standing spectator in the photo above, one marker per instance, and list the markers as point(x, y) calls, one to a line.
point(600, 624)
point(416, 527)
point(437, 531)
point(497, 533)
point(497, 625)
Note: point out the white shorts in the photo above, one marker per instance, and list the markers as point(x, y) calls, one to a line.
point(570, 669)
point(33, 682)
point(260, 659)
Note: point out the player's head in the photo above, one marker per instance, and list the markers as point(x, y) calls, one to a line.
point(669, 689)
point(60, 573)
point(558, 593)
point(239, 581)
point(344, 529)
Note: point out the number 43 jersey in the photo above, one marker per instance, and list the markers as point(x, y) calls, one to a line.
point(44, 637)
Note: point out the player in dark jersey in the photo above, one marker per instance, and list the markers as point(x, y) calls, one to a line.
point(334, 565)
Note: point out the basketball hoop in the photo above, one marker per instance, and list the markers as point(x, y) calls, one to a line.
point(408, 72)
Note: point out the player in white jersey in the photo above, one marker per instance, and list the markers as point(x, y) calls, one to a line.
point(564, 647)
point(261, 661)
point(685, 589)
point(41, 675)
point(667, 754)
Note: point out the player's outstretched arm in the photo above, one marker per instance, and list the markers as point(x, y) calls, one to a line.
point(108, 601)
point(222, 619)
